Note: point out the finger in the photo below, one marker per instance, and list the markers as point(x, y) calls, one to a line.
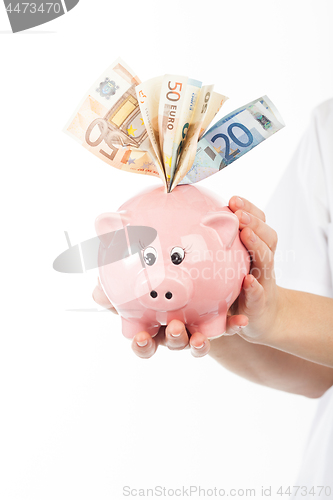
point(252, 297)
point(235, 324)
point(144, 345)
point(101, 299)
point(233, 308)
point(262, 266)
point(237, 203)
point(260, 228)
point(160, 337)
point(200, 345)
point(176, 336)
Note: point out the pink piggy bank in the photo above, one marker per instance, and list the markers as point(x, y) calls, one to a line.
point(186, 262)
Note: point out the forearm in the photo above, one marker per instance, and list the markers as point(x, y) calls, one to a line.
point(304, 327)
point(271, 367)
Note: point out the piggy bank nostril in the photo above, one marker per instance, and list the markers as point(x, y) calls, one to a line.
point(153, 294)
point(168, 295)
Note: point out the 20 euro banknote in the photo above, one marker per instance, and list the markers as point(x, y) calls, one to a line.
point(232, 137)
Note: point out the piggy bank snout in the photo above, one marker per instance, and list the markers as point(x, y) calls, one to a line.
point(169, 295)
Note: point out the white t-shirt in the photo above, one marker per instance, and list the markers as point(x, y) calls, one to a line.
point(301, 211)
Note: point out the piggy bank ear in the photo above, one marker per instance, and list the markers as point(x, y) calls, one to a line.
point(226, 225)
point(106, 225)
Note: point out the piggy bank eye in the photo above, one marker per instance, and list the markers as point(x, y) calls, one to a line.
point(150, 256)
point(177, 255)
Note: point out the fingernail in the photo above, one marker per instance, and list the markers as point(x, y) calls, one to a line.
point(99, 284)
point(250, 279)
point(245, 218)
point(143, 343)
point(199, 346)
point(176, 334)
point(253, 237)
point(239, 202)
point(252, 283)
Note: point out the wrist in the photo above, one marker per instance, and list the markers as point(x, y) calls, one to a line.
point(277, 329)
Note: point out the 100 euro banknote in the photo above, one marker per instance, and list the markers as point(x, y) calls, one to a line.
point(232, 137)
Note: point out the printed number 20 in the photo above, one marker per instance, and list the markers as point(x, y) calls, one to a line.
point(232, 136)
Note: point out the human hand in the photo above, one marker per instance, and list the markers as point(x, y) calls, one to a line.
point(252, 314)
point(174, 335)
point(259, 301)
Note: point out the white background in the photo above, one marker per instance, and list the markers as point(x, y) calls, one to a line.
point(81, 416)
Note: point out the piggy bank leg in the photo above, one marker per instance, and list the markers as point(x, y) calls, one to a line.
point(212, 329)
point(131, 328)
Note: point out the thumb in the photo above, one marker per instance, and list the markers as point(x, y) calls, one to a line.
point(101, 299)
point(252, 296)
point(235, 324)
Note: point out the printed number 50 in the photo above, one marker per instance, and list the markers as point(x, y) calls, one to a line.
point(173, 92)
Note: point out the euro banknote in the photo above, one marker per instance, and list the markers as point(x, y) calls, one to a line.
point(176, 107)
point(109, 124)
point(216, 102)
point(148, 95)
point(170, 108)
point(159, 127)
point(232, 137)
point(208, 103)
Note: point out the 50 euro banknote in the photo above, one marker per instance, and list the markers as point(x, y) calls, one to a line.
point(232, 137)
point(109, 124)
point(175, 110)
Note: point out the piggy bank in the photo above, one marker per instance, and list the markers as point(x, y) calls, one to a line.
point(186, 262)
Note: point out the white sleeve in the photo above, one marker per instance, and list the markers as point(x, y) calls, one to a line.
point(301, 211)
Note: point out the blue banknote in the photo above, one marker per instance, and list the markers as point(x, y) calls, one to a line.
point(233, 136)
